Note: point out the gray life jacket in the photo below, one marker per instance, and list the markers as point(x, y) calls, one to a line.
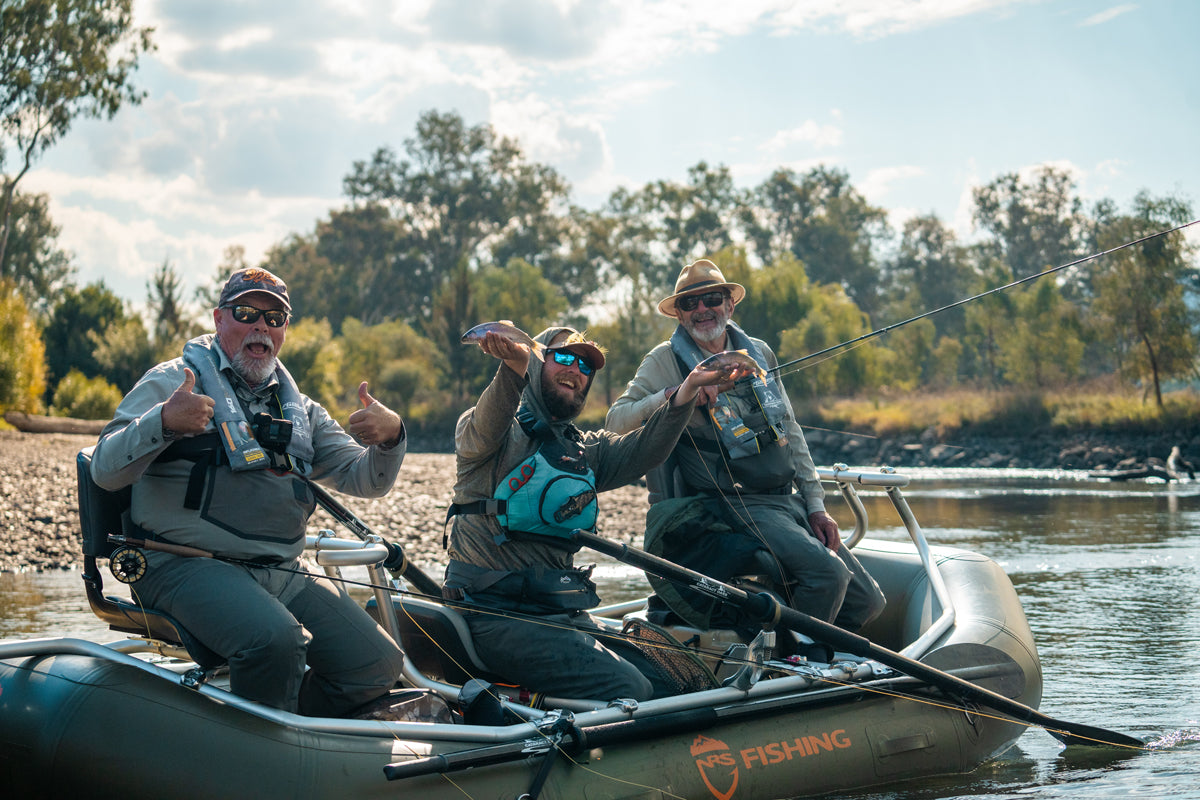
point(746, 446)
point(251, 503)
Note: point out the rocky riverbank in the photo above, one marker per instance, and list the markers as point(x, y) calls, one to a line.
point(39, 508)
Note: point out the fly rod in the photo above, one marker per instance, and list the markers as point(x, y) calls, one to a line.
point(1027, 279)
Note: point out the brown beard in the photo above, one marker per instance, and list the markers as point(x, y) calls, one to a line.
point(559, 406)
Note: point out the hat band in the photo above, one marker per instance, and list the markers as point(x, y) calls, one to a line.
point(698, 285)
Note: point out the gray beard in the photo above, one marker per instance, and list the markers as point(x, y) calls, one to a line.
point(711, 336)
point(253, 373)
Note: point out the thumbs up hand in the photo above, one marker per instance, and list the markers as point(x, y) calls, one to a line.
point(374, 423)
point(186, 412)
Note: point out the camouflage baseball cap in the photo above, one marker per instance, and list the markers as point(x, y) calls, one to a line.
point(253, 279)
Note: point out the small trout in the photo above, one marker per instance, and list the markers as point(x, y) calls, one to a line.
point(725, 363)
point(509, 331)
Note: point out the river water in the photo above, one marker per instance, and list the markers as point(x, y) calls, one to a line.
point(1109, 575)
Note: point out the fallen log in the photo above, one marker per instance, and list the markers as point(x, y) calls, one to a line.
point(38, 423)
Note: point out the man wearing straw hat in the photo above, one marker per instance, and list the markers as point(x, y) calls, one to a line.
point(744, 447)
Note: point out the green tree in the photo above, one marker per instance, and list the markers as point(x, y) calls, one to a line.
point(1041, 345)
point(930, 271)
point(60, 59)
point(822, 220)
point(1140, 290)
point(78, 312)
point(173, 325)
point(122, 351)
point(1034, 225)
point(834, 318)
point(461, 191)
point(34, 261)
point(22, 354)
point(986, 319)
point(84, 398)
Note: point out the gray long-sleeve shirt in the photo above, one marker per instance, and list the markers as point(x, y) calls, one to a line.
point(267, 508)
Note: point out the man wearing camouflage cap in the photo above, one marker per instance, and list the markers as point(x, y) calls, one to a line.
point(208, 470)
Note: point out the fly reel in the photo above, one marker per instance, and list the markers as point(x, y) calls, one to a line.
point(127, 564)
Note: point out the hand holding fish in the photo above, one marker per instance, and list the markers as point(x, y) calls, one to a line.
point(718, 373)
point(507, 342)
point(708, 383)
point(374, 423)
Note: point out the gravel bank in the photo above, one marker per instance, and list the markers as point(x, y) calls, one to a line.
point(39, 506)
point(39, 509)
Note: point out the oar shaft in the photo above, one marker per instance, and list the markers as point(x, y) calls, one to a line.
point(770, 611)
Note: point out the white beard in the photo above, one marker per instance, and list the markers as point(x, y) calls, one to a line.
point(716, 333)
point(255, 372)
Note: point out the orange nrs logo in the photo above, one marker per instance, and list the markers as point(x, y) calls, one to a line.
point(715, 761)
point(255, 275)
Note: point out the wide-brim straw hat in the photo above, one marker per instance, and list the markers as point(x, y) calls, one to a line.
point(697, 276)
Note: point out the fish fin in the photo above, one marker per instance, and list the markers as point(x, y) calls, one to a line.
point(539, 351)
point(508, 322)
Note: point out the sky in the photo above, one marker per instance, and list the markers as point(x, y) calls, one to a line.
point(257, 109)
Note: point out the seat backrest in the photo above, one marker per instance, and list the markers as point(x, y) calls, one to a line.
point(100, 511)
point(437, 640)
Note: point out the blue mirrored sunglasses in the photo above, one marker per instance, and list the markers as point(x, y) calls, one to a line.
point(567, 358)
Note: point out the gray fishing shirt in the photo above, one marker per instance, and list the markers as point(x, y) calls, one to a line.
point(660, 370)
point(489, 443)
point(266, 515)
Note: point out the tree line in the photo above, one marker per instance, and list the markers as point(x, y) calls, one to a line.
point(457, 226)
point(462, 228)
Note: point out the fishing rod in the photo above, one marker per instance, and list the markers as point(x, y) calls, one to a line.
point(888, 328)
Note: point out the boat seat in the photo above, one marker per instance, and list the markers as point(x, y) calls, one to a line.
point(101, 513)
point(437, 640)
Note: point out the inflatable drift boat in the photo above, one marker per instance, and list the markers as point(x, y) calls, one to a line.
point(942, 682)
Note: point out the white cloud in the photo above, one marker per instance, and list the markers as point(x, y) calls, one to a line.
point(1108, 15)
point(878, 182)
point(810, 132)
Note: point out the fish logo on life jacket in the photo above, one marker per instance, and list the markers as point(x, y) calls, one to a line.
point(574, 506)
point(715, 761)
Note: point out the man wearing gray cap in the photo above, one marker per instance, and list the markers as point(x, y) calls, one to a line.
point(217, 446)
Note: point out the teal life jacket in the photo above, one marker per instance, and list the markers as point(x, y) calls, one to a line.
point(545, 497)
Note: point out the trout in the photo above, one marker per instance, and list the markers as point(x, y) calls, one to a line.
point(727, 362)
point(509, 331)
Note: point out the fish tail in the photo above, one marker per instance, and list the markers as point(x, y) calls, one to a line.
point(539, 350)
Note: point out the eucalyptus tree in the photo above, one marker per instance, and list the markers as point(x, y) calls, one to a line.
point(460, 192)
point(1139, 298)
point(1034, 224)
point(35, 263)
point(930, 270)
point(60, 60)
point(79, 311)
point(822, 220)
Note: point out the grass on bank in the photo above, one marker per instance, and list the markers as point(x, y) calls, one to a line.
point(1011, 413)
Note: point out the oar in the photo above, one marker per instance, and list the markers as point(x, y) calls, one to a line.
point(397, 562)
point(767, 609)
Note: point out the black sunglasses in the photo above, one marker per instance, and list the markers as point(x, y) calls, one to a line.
point(689, 302)
point(249, 314)
point(567, 358)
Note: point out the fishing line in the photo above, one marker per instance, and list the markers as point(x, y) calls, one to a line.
point(879, 332)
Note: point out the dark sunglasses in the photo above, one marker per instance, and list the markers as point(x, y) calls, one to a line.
point(567, 358)
point(689, 302)
point(249, 315)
